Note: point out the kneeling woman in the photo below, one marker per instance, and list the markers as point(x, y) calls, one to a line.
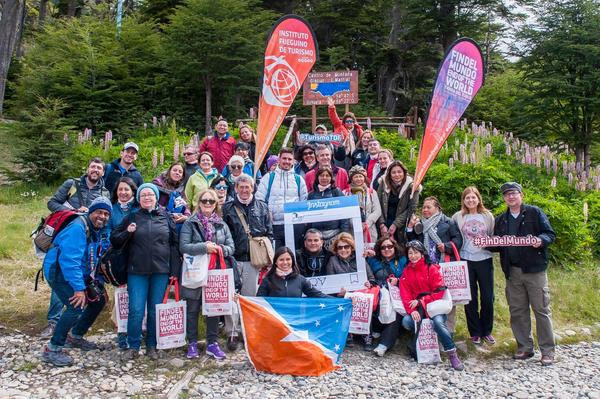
point(284, 278)
point(422, 283)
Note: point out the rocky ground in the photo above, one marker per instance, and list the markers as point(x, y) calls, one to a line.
point(100, 374)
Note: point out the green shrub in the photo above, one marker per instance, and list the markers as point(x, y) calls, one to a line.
point(593, 201)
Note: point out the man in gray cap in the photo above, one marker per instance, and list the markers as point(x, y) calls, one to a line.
point(525, 271)
point(123, 167)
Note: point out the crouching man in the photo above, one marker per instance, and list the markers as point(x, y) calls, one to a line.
point(67, 268)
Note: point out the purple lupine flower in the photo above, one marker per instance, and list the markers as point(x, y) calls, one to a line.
point(565, 167)
point(570, 177)
point(163, 118)
point(369, 123)
point(154, 121)
point(488, 150)
point(555, 165)
point(553, 182)
point(451, 162)
point(66, 138)
point(162, 157)
point(473, 158)
point(508, 150)
point(455, 154)
point(412, 153)
point(585, 211)
point(145, 125)
point(176, 151)
point(154, 159)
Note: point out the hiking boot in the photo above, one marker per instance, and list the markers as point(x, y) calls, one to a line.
point(122, 341)
point(232, 343)
point(369, 344)
point(80, 343)
point(48, 330)
point(56, 358)
point(130, 354)
point(547, 360)
point(350, 341)
point(192, 351)
point(380, 350)
point(454, 360)
point(489, 339)
point(215, 351)
point(154, 354)
point(521, 355)
point(476, 340)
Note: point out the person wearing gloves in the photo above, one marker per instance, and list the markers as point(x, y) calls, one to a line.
point(205, 232)
point(279, 187)
point(152, 243)
point(67, 269)
point(422, 283)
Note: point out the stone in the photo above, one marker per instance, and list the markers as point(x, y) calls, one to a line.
point(570, 333)
point(177, 363)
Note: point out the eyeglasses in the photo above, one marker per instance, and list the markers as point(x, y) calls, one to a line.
point(344, 246)
point(235, 166)
point(308, 153)
point(221, 187)
point(207, 201)
point(511, 193)
point(147, 195)
point(188, 153)
point(386, 247)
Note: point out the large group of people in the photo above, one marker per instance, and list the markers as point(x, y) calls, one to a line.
point(216, 200)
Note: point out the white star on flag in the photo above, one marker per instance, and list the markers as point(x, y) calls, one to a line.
point(340, 308)
point(337, 321)
point(322, 305)
point(317, 323)
point(336, 348)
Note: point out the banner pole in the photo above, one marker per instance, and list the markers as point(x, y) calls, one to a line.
point(314, 118)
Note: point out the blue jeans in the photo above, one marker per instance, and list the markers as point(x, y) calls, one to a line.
point(439, 325)
point(144, 290)
point(76, 320)
point(55, 308)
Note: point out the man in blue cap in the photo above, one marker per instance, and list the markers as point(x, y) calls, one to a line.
point(69, 266)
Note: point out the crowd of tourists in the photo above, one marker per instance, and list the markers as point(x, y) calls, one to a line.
point(217, 198)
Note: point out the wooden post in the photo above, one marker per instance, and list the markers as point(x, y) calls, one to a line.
point(347, 108)
point(314, 118)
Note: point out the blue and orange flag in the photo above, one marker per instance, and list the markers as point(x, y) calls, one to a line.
point(297, 336)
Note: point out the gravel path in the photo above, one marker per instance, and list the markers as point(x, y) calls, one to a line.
point(103, 375)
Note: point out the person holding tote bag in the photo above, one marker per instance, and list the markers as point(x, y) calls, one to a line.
point(474, 220)
point(204, 233)
point(422, 284)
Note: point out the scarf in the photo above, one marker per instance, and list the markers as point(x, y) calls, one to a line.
point(323, 188)
point(207, 225)
point(247, 202)
point(125, 207)
point(281, 273)
point(430, 231)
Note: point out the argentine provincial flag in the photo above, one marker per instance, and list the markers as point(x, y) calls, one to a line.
point(297, 336)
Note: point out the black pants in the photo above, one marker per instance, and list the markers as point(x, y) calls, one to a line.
point(279, 235)
point(194, 307)
point(480, 320)
point(389, 332)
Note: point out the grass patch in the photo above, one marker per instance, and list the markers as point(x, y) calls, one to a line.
point(575, 294)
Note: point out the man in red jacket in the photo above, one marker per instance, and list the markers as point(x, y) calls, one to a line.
point(324, 159)
point(221, 145)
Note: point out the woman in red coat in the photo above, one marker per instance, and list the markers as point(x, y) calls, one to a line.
point(422, 283)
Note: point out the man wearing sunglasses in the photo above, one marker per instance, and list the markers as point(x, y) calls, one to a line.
point(190, 157)
point(67, 268)
point(525, 271)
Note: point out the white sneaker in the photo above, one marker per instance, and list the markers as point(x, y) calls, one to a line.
point(380, 350)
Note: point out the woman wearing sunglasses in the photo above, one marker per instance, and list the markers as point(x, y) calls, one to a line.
point(307, 160)
point(387, 266)
point(204, 233)
point(234, 169)
point(224, 190)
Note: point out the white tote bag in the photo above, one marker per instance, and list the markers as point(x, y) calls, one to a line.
point(456, 278)
point(121, 310)
point(397, 300)
point(217, 294)
point(194, 270)
point(387, 315)
point(441, 306)
point(428, 350)
point(170, 320)
point(362, 311)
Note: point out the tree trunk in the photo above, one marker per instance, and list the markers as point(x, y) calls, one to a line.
point(448, 32)
point(19, 44)
point(10, 26)
point(208, 115)
point(43, 9)
point(72, 10)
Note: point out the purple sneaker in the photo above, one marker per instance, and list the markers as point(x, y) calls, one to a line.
point(490, 339)
point(192, 351)
point(214, 351)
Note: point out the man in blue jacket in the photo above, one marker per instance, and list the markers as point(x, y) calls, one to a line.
point(123, 167)
point(67, 266)
point(525, 271)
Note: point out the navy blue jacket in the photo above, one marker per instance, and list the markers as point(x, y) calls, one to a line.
point(114, 172)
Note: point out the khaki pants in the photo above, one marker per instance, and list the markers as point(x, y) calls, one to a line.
point(249, 277)
point(525, 290)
